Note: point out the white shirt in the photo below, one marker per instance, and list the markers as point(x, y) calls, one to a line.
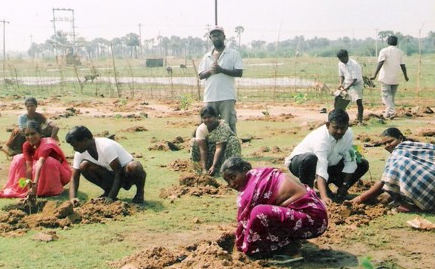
point(220, 87)
point(391, 70)
point(329, 151)
point(350, 71)
point(108, 150)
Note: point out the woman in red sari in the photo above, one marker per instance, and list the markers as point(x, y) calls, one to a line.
point(42, 161)
point(275, 210)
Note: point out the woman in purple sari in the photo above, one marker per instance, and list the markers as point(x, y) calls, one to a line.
point(275, 210)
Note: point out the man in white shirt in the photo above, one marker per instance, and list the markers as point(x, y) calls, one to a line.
point(390, 63)
point(326, 155)
point(105, 163)
point(351, 81)
point(219, 67)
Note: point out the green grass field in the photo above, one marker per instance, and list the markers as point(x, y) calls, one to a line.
point(93, 245)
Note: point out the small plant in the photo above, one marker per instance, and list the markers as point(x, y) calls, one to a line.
point(118, 116)
point(366, 263)
point(186, 101)
point(24, 182)
point(355, 153)
point(300, 98)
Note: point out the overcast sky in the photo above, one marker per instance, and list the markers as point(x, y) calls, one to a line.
point(269, 20)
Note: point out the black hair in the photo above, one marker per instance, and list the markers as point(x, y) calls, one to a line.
point(395, 133)
point(342, 53)
point(208, 110)
point(31, 100)
point(34, 125)
point(78, 133)
point(339, 116)
point(235, 164)
point(392, 40)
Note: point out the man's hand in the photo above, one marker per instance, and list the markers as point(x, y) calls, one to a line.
point(212, 170)
point(342, 191)
point(107, 200)
point(216, 69)
point(356, 200)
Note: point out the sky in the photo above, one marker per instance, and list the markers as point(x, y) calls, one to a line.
point(30, 21)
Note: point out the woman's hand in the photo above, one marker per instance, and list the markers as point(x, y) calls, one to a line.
point(326, 200)
point(31, 194)
point(75, 202)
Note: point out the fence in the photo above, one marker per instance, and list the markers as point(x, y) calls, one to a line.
point(298, 79)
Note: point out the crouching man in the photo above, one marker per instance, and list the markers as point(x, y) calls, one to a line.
point(105, 163)
point(325, 156)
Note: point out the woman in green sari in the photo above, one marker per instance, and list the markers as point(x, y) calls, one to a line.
point(214, 142)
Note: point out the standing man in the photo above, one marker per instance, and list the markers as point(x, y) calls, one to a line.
point(351, 81)
point(105, 163)
point(219, 67)
point(390, 62)
point(326, 155)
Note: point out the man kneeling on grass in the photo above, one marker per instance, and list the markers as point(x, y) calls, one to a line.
point(105, 163)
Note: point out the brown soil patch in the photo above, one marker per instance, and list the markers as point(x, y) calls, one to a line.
point(195, 185)
point(204, 254)
point(21, 217)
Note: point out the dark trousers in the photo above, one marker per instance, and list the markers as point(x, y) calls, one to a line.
point(304, 165)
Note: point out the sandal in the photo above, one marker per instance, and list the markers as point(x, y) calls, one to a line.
point(284, 259)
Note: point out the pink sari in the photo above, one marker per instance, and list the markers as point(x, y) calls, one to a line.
point(55, 173)
point(263, 227)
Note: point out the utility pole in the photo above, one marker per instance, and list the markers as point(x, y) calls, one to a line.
point(376, 43)
point(4, 47)
point(215, 12)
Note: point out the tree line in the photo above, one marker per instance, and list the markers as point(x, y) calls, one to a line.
point(130, 46)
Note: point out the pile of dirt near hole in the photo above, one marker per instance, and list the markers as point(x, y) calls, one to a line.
point(205, 254)
point(348, 216)
point(195, 185)
point(180, 165)
point(283, 117)
point(174, 145)
point(19, 218)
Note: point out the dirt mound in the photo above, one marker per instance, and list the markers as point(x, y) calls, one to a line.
point(180, 165)
point(267, 117)
point(195, 185)
point(20, 218)
point(205, 254)
point(346, 217)
point(174, 145)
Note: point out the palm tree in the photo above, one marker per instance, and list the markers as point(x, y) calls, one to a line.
point(133, 42)
point(239, 30)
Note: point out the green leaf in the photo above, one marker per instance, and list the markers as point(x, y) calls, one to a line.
point(366, 263)
point(352, 154)
point(23, 182)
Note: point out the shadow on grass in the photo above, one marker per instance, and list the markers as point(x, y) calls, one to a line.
point(326, 258)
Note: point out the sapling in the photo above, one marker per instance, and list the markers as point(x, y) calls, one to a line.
point(27, 183)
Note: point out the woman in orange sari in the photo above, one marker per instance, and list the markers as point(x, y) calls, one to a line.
point(42, 162)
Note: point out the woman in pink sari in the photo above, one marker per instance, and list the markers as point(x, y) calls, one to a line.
point(42, 161)
point(275, 210)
